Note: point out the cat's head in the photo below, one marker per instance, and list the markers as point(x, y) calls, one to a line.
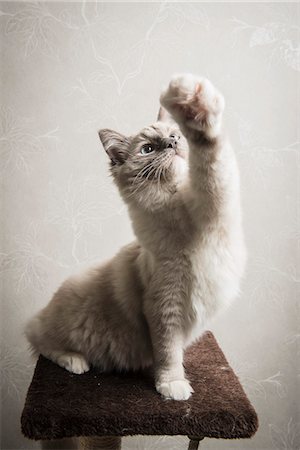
point(149, 166)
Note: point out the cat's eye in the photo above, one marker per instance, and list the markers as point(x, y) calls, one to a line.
point(146, 149)
point(174, 136)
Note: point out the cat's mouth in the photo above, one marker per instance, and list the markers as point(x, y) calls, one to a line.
point(180, 165)
point(180, 153)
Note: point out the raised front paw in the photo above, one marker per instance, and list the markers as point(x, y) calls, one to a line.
point(194, 103)
point(175, 390)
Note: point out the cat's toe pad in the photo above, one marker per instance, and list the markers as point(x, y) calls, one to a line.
point(73, 362)
point(193, 100)
point(180, 90)
point(176, 389)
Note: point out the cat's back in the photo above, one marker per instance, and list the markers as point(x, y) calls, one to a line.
point(105, 278)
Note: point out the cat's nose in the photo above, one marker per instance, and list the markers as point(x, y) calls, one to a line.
point(171, 143)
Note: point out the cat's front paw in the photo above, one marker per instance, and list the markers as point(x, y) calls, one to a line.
point(73, 362)
point(194, 103)
point(175, 390)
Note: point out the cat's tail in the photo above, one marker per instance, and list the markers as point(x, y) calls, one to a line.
point(33, 332)
point(39, 344)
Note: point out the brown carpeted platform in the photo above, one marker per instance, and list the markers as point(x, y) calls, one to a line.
point(60, 404)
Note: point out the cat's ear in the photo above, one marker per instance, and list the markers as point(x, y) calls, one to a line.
point(164, 116)
point(115, 144)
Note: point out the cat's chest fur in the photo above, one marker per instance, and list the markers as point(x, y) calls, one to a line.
point(201, 262)
point(209, 267)
point(214, 282)
point(205, 260)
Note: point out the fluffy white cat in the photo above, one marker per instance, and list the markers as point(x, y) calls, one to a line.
point(179, 178)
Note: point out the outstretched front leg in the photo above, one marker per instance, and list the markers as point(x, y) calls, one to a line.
point(197, 107)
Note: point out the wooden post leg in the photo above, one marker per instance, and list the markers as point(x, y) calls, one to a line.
point(100, 443)
point(60, 444)
point(194, 442)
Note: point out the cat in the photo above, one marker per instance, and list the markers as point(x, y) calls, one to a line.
point(180, 181)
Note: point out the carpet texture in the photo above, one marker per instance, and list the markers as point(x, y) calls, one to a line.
point(60, 404)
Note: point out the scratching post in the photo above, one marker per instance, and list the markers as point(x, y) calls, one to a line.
point(59, 444)
point(100, 408)
point(100, 443)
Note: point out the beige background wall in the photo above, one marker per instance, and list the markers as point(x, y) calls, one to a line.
point(68, 69)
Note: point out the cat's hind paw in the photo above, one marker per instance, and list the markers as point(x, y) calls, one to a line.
point(194, 103)
point(175, 390)
point(73, 362)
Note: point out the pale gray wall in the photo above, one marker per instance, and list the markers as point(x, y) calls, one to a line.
point(68, 69)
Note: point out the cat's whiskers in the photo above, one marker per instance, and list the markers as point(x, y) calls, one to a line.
point(157, 168)
point(142, 172)
point(159, 176)
point(145, 180)
point(154, 169)
point(166, 169)
point(165, 164)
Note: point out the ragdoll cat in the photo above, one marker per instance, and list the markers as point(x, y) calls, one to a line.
point(180, 180)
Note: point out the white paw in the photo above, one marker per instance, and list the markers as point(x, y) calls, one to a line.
point(181, 88)
point(193, 101)
point(73, 362)
point(176, 390)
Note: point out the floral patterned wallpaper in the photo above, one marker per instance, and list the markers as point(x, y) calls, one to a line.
point(70, 68)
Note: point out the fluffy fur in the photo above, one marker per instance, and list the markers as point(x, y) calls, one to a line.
point(180, 180)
